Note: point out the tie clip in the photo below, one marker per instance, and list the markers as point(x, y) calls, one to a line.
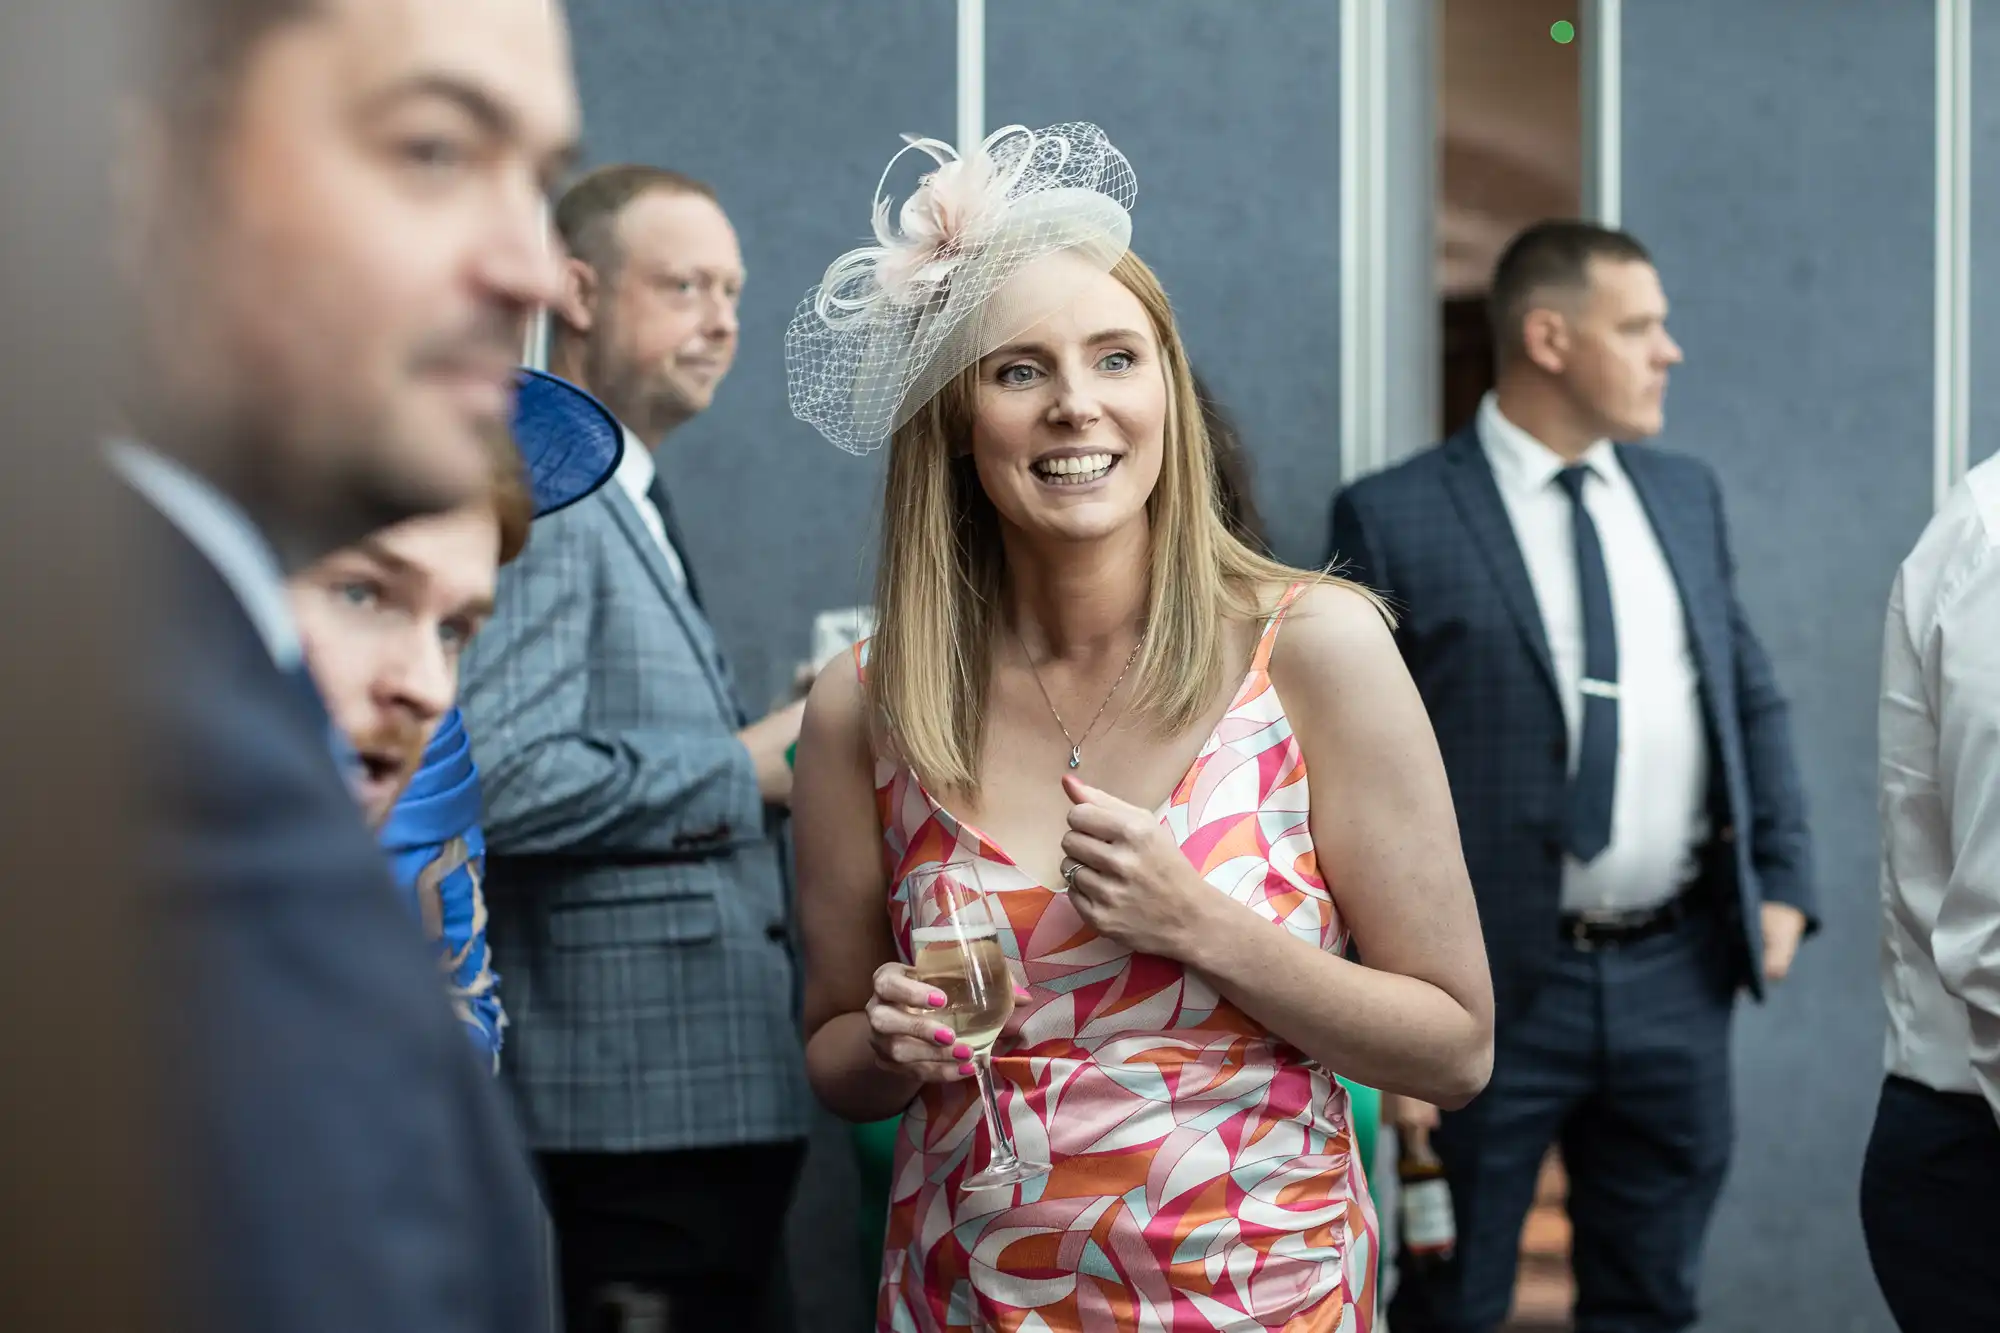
point(1601, 689)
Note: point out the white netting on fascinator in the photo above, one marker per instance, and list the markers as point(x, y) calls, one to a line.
point(893, 322)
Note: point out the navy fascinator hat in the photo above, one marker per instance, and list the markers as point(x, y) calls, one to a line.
point(570, 443)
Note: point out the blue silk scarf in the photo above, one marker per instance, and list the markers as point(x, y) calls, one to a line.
point(438, 855)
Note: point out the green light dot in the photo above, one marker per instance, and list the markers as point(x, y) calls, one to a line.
point(1563, 31)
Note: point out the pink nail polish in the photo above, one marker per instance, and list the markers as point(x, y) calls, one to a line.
point(961, 1051)
point(966, 1068)
point(937, 999)
point(942, 1036)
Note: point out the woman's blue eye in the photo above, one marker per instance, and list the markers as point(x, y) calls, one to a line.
point(1124, 360)
point(1025, 375)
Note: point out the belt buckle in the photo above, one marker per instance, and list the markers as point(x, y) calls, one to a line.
point(1608, 919)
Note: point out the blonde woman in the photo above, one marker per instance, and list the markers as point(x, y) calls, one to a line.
point(1081, 683)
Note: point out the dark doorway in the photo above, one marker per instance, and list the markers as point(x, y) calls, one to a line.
point(1468, 358)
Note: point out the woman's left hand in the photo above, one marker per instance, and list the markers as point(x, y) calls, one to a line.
point(1131, 882)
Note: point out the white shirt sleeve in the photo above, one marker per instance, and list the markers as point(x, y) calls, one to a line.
point(1965, 653)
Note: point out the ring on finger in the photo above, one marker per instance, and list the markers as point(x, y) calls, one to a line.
point(1070, 866)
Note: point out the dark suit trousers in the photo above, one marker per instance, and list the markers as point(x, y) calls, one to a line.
point(1622, 1057)
point(674, 1242)
point(1927, 1189)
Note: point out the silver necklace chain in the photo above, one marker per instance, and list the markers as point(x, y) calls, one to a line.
point(1076, 743)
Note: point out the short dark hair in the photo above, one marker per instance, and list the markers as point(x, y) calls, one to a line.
point(1552, 254)
point(202, 49)
point(587, 214)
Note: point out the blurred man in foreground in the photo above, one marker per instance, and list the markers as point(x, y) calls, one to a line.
point(333, 233)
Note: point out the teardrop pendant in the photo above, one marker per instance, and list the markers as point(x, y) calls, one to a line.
point(1076, 756)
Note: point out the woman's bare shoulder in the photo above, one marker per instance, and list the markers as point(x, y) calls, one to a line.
point(1334, 635)
point(837, 706)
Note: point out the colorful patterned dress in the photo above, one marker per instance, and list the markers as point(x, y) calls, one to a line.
point(1204, 1171)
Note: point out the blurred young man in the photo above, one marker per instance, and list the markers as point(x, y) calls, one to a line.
point(385, 622)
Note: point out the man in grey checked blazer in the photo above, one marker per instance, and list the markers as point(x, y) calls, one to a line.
point(635, 882)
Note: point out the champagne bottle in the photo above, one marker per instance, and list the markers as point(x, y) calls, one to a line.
point(1429, 1229)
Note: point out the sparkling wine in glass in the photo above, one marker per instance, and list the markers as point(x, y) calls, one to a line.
point(958, 952)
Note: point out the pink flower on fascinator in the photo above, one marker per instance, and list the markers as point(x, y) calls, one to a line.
point(953, 211)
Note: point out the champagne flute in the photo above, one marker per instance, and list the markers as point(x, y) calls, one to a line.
point(958, 951)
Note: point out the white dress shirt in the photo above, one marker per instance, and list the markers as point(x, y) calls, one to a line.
point(1940, 798)
point(635, 474)
point(1659, 815)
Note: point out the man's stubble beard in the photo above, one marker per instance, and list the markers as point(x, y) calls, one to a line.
point(311, 464)
point(642, 396)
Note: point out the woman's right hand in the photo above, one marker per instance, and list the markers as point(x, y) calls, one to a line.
point(905, 1031)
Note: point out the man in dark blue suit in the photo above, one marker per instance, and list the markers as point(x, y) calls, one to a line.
point(334, 237)
point(1621, 761)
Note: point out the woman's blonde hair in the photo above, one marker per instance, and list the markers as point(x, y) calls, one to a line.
point(510, 493)
point(942, 570)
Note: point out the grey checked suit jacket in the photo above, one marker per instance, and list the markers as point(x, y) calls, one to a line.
point(635, 889)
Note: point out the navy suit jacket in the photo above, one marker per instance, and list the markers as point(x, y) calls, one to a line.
point(339, 1159)
point(1433, 534)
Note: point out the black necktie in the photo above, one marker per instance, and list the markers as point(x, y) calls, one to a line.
point(657, 493)
point(1587, 829)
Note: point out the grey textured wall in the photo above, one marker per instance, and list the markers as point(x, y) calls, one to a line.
point(790, 111)
point(1230, 114)
point(1788, 201)
point(1985, 230)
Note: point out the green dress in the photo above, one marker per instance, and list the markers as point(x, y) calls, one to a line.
point(874, 1149)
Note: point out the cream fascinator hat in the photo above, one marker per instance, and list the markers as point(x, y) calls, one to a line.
point(892, 323)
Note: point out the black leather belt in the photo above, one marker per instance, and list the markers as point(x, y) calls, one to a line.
point(1615, 929)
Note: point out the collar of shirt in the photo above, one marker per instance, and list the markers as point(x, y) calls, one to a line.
point(636, 473)
point(636, 470)
point(226, 538)
point(1522, 464)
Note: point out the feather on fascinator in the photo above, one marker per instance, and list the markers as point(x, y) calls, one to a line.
point(891, 323)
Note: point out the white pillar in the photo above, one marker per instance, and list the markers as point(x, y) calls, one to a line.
point(1951, 417)
point(971, 74)
point(1603, 111)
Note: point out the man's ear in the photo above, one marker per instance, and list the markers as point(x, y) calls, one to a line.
point(1545, 339)
point(575, 306)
